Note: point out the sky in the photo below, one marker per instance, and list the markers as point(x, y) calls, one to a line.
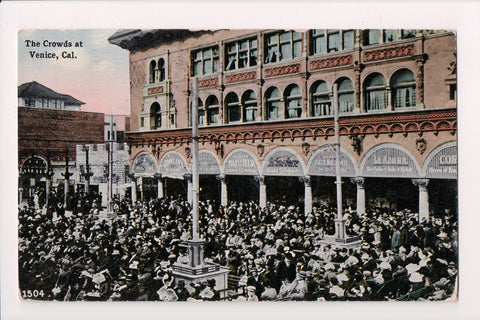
point(98, 76)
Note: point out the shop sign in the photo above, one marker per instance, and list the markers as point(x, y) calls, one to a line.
point(324, 163)
point(172, 165)
point(283, 163)
point(144, 163)
point(443, 165)
point(241, 163)
point(390, 162)
point(207, 164)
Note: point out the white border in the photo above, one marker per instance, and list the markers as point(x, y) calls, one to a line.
point(461, 16)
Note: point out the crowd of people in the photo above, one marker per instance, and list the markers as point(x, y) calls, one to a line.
point(275, 253)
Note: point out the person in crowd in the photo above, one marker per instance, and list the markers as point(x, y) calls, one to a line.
point(276, 250)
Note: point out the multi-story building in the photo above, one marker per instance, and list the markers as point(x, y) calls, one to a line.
point(48, 137)
point(265, 100)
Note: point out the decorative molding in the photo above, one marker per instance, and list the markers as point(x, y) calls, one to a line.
point(155, 90)
point(421, 145)
point(137, 72)
point(389, 53)
point(331, 62)
point(278, 71)
point(306, 148)
point(260, 149)
point(355, 127)
point(206, 83)
point(245, 76)
point(356, 141)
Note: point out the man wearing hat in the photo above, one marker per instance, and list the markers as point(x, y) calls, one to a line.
point(181, 291)
point(255, 280)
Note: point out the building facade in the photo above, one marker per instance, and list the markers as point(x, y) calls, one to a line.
point(48, 139)
point(93, 160)
point(265, 100)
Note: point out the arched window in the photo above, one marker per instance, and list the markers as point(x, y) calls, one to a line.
point(375, 93)
point(321, 104)
point(345, 95)
point(161, 70)
point(293, 102)
point(155, 116)
point(153, 65)
point(403, 89)
point(273, 100)
point(234, 111)
point(212, 107)
point(249, 100)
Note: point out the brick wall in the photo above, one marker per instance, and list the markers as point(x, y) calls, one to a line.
point(40, 130)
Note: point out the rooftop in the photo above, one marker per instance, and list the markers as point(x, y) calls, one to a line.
point(37, 90)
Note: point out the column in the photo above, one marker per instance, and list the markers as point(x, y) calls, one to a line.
point(224, 192)
point(134, 189)
point(160, 191)
point(423, 206)
point(141, 188)
point(48, 191)
point(389, 101)
point(360, 182)
point(308, 194)
point(263, 191)
point(420, 60)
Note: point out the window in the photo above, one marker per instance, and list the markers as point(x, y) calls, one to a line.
point(403, 89)
point(375, 36)
point(293, 102)
point(324, 41)
point(151, 78)
point(375, 93)
point(155, 116)
point(234, 112)
point(321, 104)
point(142, 122)
point(273, 100)
point(250, 106)
point(453, 91)
point(161, 70)
point(281, 46)
point(212, 107)
point(29, 102)
point(345, 95)
point(200, 112)
point(241, 54)
point(205, 61)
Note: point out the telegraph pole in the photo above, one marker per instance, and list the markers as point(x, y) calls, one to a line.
point(110, 168)
point(87, 173)
point(66, 175)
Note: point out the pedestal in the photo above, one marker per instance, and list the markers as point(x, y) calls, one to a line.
point(198, 270)
point(341, 239)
